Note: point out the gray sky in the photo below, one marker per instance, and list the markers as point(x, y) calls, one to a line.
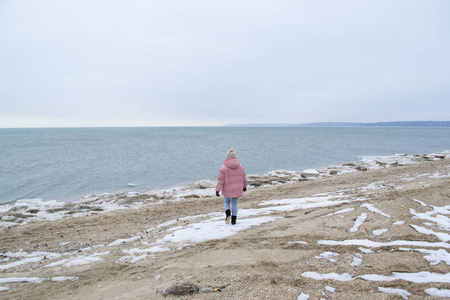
point(182, 63)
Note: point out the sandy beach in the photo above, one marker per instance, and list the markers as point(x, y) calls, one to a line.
point(366, 234)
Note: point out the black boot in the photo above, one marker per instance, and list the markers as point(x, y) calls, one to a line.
point(233, 220)
point(227, 216)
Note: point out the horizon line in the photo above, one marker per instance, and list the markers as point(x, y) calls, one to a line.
point(323, 124)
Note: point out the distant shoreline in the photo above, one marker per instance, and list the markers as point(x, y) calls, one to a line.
point(316, 124)
point(351, 124)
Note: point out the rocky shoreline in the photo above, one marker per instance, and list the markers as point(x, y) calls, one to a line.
point(31, 210)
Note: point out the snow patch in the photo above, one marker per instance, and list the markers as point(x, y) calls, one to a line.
point(64, 278)
point(21, 279)
point(437, 215)
point(438, 293)
point(298, 242)
point(330, 289)
point(420, 277)
point(372, 244)
point(123, 241)
point(328, 255)
point(357, 260)
point(375, 210)
point(303, 296)
point(365, 250)
point(78, 260)
point(379, 231)
point(434, 257)
point(332, 276)
point(445, 237)
point(359, 221)
point(211, 230)
point(403, 293)
point(342, 211)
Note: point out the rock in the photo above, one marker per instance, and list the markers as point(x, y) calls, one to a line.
point(8, 218)
point(350, 164)
point(418, 159)
point(310, 173)
point(380, 163)
point(334, 172)
point(205, 184)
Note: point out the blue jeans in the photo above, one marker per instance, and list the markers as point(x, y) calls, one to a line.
point(234, 201)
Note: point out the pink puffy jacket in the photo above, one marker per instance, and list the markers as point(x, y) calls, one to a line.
point(232, 179)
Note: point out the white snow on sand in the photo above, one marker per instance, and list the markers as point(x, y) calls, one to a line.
point(21, 279)
point(154, 249)
point(403, 293)
point(212, 227)
point(332, 276)
point(27, 258)
point(31, 280)
point(342, 211)
point(78, 260)
point(420, 277)
point(144, 253)
point(330, 289)
point(357, 260)
point(437, 215)
point(200, 228)
point(359, 221)
point(123, 241)
point(64, 278)
point(445, 237)
point(21, 262)
point(328, 255)
point(438, 293)
point(375, 210)
point(379, 231)
point(298, 242)
point(303, 296)
point(307, 202)
point(434, 257)
point(365, 250)
point(211, 230)
point(372, 244)
point(420, 202)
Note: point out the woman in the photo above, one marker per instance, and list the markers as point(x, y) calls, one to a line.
point(233, 182)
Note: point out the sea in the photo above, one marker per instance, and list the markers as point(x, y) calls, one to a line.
point(67, 164)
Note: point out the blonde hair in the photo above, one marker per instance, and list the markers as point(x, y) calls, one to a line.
point(231, 154)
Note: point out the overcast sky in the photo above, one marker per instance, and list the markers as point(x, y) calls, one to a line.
point(182, 63)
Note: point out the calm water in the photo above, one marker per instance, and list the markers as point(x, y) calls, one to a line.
point(68, 163)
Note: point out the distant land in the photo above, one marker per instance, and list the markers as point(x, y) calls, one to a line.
point(353, 124)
